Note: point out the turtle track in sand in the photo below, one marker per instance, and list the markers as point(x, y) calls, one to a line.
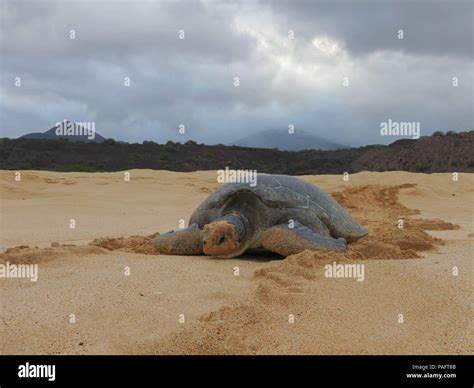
point(243, 327)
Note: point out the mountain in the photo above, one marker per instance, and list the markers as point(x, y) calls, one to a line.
point(68, 130)
point(281, 139)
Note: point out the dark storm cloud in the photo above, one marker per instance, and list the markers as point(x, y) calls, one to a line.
point(430, 27)
point(190, 81)
point(111, 30)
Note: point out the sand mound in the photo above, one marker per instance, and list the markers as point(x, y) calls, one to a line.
point(132, 244)
point(24, 254)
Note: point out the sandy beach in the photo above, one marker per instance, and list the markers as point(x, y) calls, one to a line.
point(416, 296)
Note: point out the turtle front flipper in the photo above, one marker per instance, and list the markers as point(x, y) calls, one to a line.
point(287, 241)
point(182, 242)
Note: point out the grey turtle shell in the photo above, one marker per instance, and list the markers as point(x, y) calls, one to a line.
point(283, 191)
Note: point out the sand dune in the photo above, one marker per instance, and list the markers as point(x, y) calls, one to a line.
point(197, 305)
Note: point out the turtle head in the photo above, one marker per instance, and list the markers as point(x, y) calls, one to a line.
point(225, 237)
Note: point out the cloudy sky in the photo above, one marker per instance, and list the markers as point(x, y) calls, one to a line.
point(191, 81)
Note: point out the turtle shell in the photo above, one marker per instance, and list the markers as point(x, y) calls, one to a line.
point(283, 191)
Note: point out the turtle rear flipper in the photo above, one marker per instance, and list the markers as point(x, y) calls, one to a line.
point(182, 242)
point(286, 241)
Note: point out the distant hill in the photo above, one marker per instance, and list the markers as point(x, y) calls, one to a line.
point(441, 153)
point(437, 153)
point(70, 131)
point(283, 140)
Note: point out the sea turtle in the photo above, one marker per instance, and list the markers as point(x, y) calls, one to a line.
point(281, 214)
